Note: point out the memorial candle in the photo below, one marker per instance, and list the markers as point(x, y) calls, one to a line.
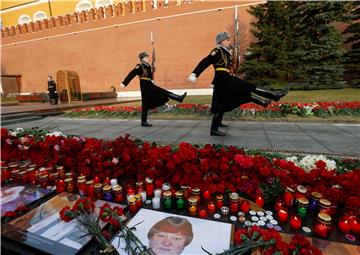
point(245, 206)
point(60, 186)
point(211, 207)
point(344, 225)
point(156, 202)
point(206, 195)
point(283, 215)
point(202, 212)
point(289, 197)
point(149, 187)
point(295, 222)
point(259, 200)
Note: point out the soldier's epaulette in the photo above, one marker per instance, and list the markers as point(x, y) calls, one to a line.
point(214, 51)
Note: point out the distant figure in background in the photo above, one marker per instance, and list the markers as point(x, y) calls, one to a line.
point(53, 95)
point(152, 96)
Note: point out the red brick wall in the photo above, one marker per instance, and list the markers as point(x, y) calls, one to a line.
point(103, 57)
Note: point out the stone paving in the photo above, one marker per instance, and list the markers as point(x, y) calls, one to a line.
point(324, 138)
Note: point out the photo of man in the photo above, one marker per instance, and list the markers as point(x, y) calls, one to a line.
point(170, 236)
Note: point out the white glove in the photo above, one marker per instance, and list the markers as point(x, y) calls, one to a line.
point(122, 85)
point(192, 78)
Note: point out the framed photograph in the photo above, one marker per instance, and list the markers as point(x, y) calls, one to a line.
point(171, 234)
point(42, 229)
point(14, 196)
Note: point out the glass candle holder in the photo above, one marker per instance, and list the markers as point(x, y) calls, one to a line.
point(219, 201)
point(81, 187)
point(314, 201)
point(295, 222)
point(202, 212)
point(69, 185)
point(289, 197)
point(60, 186)
point(301, 191)
point(355, 224)
point(211, 207)
point(107, 196)
point(245, 206)
point(98, 191)
point(167, 200)
point(196, 193)
point(149, 187)
point(90, 188)
point(279, 205)
point(165, 187)
point(302, 206)
point(322, 225)
point(180, 201)
point(344, 225)
point(259, 200)
point(139, 186)
point(185, 189)
point(283, 215)
point(118, 194)
point(157, 193)
point(156, 202)
point(324, 206)
point(139, 202)
point(132, 205)
point(234, 202)
point(192, 201)
point(206, 195)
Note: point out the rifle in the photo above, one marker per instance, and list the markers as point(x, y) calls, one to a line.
point(236, 43)
point(153, 53)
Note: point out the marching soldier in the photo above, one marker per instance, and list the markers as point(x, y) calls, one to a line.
point(152, 96)
point(52, 90)
point(230, 91)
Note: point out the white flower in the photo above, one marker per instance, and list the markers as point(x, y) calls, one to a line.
point(56, 133)
point(76, 138)
point(115, 161)
point(16, 131)
point(8, 141)
point(57, 147)
point(308, 110)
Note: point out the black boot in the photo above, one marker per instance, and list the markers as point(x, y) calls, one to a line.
point(177, 97)
point(273, 95)
point(214, 130)
point(144, 122)
point(260, 101)
point(220, 120)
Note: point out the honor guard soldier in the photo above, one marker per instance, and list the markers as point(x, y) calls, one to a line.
point(229, 91)
point(152, 96)
point(52, 90)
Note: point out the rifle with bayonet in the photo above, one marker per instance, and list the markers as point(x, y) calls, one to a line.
point(153, 63)
point(236, 44)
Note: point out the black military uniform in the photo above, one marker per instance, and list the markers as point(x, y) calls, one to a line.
point(230, 91)
point(52, 92)
point(152, 95)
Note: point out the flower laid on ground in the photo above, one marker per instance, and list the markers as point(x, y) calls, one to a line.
point(310, 162)
point(268, 242)
point(320, 109)
point(20, 210)
point(215, 168)
point(82, 211)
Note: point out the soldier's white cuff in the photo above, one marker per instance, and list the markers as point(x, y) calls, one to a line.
point(192, 77)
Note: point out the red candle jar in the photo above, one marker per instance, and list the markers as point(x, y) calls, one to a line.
point(31, 175)
point(355, 224)
point(107, 181)
point(132, 205)
point(90, 188)
point(61, 171)
point(300, 192)
point(96, 180)
point(196, 193)
point(54, 177)
point(245, 205)
point(234, 202)
point(44, 180)
point(22, 177)
point(149, 187)
point(206, 195)
point(69, 185)
point(14, 175)
point(139, 186)
point(202, 212)
point(60, 186)
point(289, 197)
point(322, 225)
point(118, 194)
point(186, 190)
point(295, 222)
point(283, 215)
point(98, 194)
point(259, 200)
point(138, 200)
point(325, 206)
point(81, 186)
point(219, 200)
point(344, 225)
point(5, 173)
point(211, 207)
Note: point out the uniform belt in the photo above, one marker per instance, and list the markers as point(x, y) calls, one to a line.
point(222, 69)
point(146, 79)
